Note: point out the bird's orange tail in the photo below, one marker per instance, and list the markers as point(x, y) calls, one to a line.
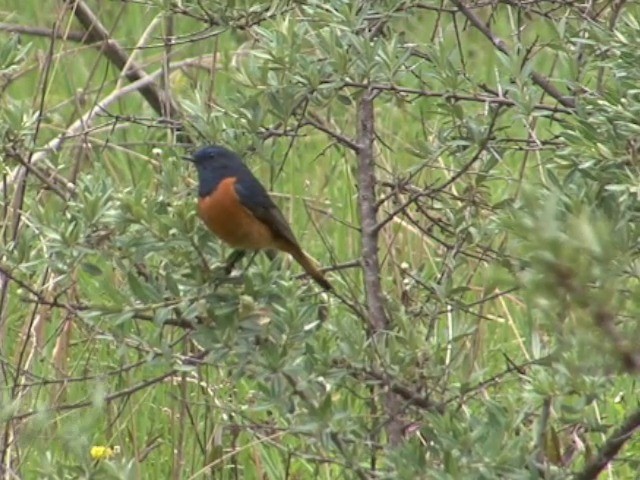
point(306, 263)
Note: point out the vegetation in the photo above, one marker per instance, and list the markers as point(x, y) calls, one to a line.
point(466, 172)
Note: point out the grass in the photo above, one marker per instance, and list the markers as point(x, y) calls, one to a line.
point(278, 396)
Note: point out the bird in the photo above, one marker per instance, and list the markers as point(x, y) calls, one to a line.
point(235, 206)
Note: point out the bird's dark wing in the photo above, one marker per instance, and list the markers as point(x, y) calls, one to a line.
point(255, 198)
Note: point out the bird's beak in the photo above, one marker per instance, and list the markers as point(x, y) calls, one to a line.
point(187, 158)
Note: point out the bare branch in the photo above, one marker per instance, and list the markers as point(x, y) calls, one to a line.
point(338, 137)
point(83, 123)
point(368, 213)
point(539, 79)
point(611, 447)
point(42, 32)
point(378, 319)
point(125, 392)
point(494, 100)
point(96, 32)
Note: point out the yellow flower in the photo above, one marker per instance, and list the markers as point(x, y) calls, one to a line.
point(101, 452)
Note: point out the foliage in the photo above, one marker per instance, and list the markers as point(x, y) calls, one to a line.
point(506, 150)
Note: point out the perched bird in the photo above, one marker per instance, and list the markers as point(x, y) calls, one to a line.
point(236, 207)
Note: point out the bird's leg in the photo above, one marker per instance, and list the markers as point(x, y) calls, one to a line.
point(232, 259)
point(275, 259)
point(271, 254)
point(238, 255)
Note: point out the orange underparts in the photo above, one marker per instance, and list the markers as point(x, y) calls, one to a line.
point(228, 219)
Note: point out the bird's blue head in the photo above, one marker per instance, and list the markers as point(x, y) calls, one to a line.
point(214, 163)
point(213, 153)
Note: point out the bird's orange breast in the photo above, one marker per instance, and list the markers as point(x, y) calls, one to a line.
point(231, 221)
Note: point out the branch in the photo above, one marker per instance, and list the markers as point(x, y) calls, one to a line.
point(432, 191)
point(97, 33)
point(605, 320)
point(41, 176)
point(83, 123)
point(341, 139)
point(75, 309)
point(492, 99)
point(481, 148)
point(537, 78)
point(611, 447)
point(125, 392)
point(378, 319)
point(412, 397)
point(368, 213)
point(43, 32)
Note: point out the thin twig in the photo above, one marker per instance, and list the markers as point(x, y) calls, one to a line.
point(315, 122)
point(494, 100)
point(115, 395)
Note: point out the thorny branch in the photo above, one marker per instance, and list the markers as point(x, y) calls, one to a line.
point(97, 33)
point(611, 447)
point(125, 392)
point(42, 32)
point(537, 78)
point(378, 319)
point(368, 213)
point(84, 123)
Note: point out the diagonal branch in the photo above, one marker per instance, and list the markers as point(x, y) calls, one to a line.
point(432, 191)
point(97, 33)
point(343, 140)
point(481, 148)
point(537, 78)
point(125, 392)
point(611, 447)
point(494, 99)
point(81, 125)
